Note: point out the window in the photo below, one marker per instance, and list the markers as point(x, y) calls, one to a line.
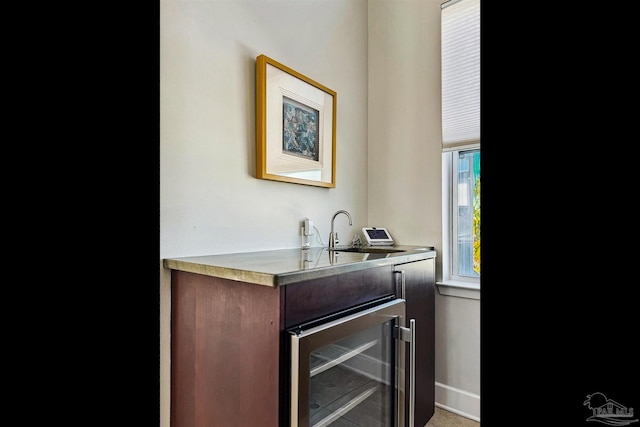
point(464, 216)
point(460, 37)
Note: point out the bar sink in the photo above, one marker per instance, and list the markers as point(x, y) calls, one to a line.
point(367, 249)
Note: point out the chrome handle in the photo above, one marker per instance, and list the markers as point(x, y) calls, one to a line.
point(402, 282)
point(412, 369)
point(409, 335)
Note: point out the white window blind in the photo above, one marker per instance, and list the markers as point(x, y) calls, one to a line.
point(460, 34)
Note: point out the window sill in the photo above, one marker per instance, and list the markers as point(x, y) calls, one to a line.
point(459, 289)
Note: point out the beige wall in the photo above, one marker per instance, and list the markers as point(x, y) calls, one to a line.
point(404, 176)
point(382, 59)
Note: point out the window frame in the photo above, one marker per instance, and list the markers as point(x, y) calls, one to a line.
point(452, 283)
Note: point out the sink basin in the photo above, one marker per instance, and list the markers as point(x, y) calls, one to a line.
point(368, 250)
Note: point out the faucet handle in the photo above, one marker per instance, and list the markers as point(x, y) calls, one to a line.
point(335, 238)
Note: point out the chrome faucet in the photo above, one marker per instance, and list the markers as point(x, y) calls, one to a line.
point(333, 237)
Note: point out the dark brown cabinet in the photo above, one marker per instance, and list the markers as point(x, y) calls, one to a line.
point(419, 289)
point(312, 299)
point(225, 349)
point(229, 365)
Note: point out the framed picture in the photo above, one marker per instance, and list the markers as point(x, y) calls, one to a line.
point(295, 126)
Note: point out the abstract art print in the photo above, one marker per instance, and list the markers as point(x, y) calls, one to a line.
point(295, 126)
point(300, 134)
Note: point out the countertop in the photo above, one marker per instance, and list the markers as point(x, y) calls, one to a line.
point(284, 266)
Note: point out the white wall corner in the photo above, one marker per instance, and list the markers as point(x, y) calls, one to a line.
point(458, 401)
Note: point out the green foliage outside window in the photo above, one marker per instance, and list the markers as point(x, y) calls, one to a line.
point(476, 225)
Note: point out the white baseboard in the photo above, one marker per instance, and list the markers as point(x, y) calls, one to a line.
point(458, 401)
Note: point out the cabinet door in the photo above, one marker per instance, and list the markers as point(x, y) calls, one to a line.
point(419, 292)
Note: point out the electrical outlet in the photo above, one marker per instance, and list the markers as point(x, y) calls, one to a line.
point(308, 227)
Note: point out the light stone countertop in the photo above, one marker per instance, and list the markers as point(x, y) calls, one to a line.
point(284, 266)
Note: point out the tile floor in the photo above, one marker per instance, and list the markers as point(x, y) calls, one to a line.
point(442, 418)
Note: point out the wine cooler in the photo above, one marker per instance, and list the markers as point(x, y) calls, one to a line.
point(348, 369)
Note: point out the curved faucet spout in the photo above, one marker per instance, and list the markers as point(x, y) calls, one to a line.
point(333, 237)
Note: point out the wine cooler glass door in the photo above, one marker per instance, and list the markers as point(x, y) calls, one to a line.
point(345, 372)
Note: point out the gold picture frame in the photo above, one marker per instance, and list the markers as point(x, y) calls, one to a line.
point(295, 126)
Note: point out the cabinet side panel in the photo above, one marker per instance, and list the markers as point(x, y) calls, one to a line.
point(225, 349)
point(183, 298)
